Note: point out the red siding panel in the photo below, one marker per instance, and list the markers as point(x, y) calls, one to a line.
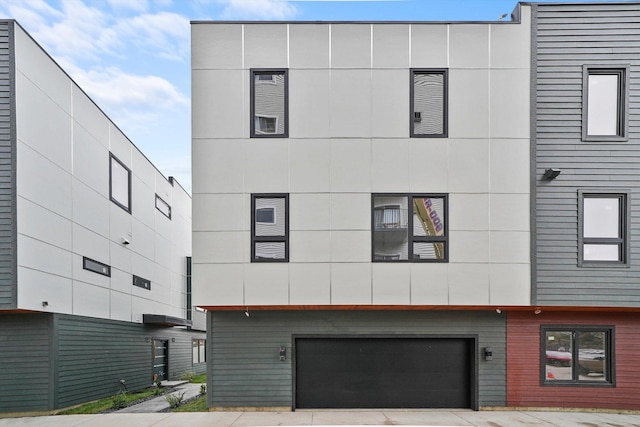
point(523, 362)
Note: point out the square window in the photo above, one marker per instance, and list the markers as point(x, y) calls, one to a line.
point(603, 225)
point(163, 207)
point(605, 103)
point(119, 183)
point(269, 227)
point(577, 355)
point(269, 103)
point(409, 227)
point(429, 104)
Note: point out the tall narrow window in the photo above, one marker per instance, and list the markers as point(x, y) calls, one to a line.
point(603, 225)
point(269, 103)
point(577, 355)
point(199, 351)
point(270, 227)
point(428, 99)
point(119, 183)
point(605, 103)
point(409, 227)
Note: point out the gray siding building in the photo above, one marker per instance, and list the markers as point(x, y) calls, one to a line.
point(96, 246)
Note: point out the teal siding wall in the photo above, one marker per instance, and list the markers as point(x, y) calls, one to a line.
point(25, 359)
point(8, 266)
point(244, 368)
point(566, 37)
point(51, 361)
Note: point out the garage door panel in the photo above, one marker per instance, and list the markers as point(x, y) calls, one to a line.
point(383, 373)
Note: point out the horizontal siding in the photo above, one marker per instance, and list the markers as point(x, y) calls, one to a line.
point(8, 291)
point(245, 370)
point(94, 354)
point(24, 362)
point(566, 37)
point(523, 362)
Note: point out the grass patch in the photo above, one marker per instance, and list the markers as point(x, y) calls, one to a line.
point(202, 378)
point(197, 405)
point(105, 404)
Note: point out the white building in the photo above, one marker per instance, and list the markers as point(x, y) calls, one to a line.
point(96, 244)
point(361, 197)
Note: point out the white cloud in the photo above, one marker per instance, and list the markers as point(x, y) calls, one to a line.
point(133, 5)
point(262, 9)
point(168, 34)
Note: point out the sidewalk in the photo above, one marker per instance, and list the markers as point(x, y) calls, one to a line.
point(160, 404)
point(455, 418)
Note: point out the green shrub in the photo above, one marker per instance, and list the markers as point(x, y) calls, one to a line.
point(174, 399)
point(188, 376)
point(119, 401)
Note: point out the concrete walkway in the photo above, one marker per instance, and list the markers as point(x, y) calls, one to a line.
point(159, 404)
point(345, 418)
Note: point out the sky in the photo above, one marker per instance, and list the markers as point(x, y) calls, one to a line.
point(132, 57)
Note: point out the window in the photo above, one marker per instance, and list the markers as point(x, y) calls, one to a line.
point(270, 227)
point(603, 225)
point(605, 103)
point(577, 355)
point(163, 207)
point(269, 103)
point(199, 351)
point(96, 267)
point(409, 227)
point(119, 183)
point(141, 283)
point(428, 103)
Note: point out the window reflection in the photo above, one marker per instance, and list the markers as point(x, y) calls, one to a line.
point(576, 356)
point(269, 103)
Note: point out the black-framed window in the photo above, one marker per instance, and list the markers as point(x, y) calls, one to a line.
point(199, 353)
point(602, 228)
point(409, 227)
point(96, 266)
point(269, 103)
point(163, 206)
point(577, 355)
point(141, 282)
point(119, 183)
point(270, 227)
point(428, 100)
point(605, 103)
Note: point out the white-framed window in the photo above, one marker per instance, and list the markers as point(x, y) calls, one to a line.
point(603, 228)
point(199, 353)
point(119, 183)
point(605, 103)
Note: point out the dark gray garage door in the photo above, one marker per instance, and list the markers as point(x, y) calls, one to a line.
point(383, 372)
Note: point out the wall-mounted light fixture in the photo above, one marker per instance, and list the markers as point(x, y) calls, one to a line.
point(537, 311)
point(246, 312)
point(551, 174)
point(173, 340)
point(498, 311)
point(45, 303)
point(283, 353)
point(488, 353)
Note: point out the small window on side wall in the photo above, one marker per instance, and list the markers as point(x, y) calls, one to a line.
point(605, 103)
point(199, 351)
point(163, 207)
point(96, 266)
point(428, 103)
point(603, 229)
point(577, 355)
point(269, 227)
point(269, 103)
point(119, 183)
